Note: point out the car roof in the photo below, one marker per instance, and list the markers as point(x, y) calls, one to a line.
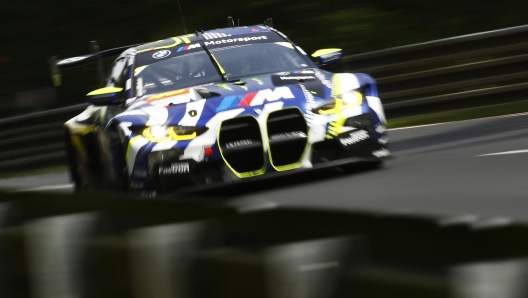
point(200, 36)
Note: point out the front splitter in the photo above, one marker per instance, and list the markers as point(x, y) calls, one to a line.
point(244, 182)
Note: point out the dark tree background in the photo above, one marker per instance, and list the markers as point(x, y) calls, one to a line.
point(33, 30)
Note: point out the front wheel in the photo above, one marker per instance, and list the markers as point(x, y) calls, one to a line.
point(83, 179)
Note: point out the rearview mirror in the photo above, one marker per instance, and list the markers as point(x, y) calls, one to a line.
point(105, 96)
point(327, 56)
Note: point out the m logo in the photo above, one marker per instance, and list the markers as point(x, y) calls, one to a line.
point(255, 98)
point(189, 47)
point(258, 98)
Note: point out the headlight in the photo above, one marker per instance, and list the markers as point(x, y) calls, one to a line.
point(346, 100)
point(172, 133)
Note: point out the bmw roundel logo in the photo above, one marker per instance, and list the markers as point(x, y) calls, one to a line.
point(161, 54)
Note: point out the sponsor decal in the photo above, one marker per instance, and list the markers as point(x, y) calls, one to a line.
point(254, 98)
point(258, 98)
point(192, 113)
point(167, 95)
point(380, 128)
point(381, 153)
point(319, 75)
point(189, 47)
point(231, 40)
point(383, 141)
point(210, 35)
point(148, 194)
point(239, 143)
point(259, 81)
point(137, 185)
point(355, 137)
point(140, 173)
point(225, 86)
point(297, 78)
point(288, 135)
point(161, 54)
point(310, 103)
point(330, 57)
point(255, 30)
point(304, 72)
point(175, 168)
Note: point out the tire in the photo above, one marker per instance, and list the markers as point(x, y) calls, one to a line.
point(83, 179)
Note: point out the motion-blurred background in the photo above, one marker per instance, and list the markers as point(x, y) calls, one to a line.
point(32, 31)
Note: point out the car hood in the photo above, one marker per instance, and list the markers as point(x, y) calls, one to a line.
point(196, 106)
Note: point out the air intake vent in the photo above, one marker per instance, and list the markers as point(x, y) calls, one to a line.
point(240, 144)
point(287, 136)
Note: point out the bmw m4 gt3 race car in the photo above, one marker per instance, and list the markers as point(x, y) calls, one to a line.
point(219, 106)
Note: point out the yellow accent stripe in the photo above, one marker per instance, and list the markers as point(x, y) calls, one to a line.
point(245, 174)
point(185, 39)
point(177, 41)
point(323, 52)
point(130, 143)
point(137, 70)
point(105, 90)
point(87, 129)
point(294, 165)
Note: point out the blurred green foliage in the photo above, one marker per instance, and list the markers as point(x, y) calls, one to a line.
point(34, 30)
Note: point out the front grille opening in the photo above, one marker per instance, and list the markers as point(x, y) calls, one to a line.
point(240, 144)
point(287, 136)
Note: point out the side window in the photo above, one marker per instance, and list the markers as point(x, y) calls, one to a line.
point(117, 74)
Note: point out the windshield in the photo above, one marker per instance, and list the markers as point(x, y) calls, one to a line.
point(175, 73)
point(253, 59)
point(196, 68)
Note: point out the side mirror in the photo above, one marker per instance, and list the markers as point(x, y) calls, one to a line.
point(327, 56)
point(105, 96)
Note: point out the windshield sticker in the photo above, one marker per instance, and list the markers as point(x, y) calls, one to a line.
point(189, 47)
point(211, 35)
point(231, 40)
point(161, 54)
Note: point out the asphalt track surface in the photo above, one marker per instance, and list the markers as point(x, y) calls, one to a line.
point(441, 170)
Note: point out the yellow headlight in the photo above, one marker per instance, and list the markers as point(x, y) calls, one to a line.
point(156, 134)
point(181, 134)
point(172, 133)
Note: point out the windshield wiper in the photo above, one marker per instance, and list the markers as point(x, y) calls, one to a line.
point(216, 64)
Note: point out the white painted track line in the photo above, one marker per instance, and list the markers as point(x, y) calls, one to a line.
point(47, 187)
point(504, 153)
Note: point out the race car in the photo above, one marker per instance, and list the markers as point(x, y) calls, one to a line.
point(217, 107)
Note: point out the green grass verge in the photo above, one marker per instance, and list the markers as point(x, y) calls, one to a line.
point(465, 114)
